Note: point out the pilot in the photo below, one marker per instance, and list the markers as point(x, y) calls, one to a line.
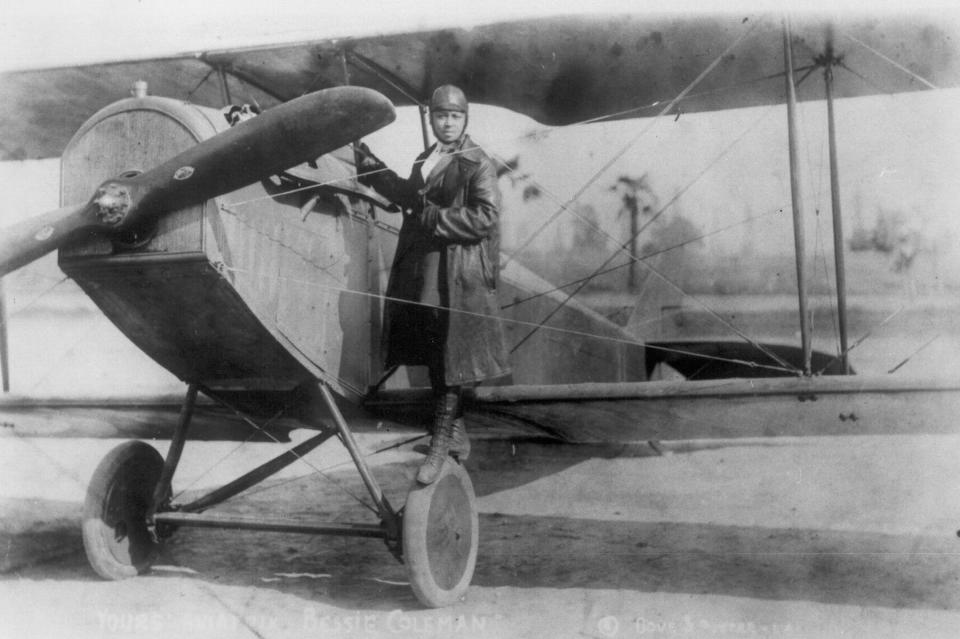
point(441, 308)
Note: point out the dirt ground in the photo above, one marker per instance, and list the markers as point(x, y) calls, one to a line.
point(841, 537)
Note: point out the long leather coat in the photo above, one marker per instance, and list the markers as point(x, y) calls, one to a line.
point(456, 212)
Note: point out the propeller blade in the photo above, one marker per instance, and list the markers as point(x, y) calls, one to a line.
point(30, 239)
point(295, 132)
point(289, 134)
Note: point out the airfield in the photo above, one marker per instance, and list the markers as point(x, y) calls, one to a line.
point(793, 537)
point(799, 537)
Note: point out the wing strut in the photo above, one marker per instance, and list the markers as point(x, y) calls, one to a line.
point(4, 344)
point(224, 87)
point(797, 198)
point(828, 62)
point(398, 83)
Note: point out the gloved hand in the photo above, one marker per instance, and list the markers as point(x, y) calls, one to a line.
point(366, 160)
point(425, 213)
point(415, 207)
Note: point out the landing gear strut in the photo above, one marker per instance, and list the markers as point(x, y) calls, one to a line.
point(129, 511)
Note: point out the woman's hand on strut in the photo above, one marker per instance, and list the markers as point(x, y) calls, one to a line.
point(366, 160)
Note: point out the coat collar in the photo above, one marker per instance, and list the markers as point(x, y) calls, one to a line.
point(466, 149)
point(467, 153)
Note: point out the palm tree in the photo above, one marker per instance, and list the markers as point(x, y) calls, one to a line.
point(633, 191)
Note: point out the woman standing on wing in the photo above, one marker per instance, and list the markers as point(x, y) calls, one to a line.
point(441, 309)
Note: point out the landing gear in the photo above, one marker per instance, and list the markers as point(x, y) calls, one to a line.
point(440, 537)
point(116, 537)
point(130, 508)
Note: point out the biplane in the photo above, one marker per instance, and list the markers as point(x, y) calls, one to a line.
point(250, 262)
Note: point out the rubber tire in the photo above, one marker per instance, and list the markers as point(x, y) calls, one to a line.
point(115, 535)
point(441, 537)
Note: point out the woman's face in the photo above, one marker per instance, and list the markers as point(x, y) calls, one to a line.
point(448, 125)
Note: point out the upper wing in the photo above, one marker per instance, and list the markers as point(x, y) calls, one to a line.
point(558, 70)
point(41, 110)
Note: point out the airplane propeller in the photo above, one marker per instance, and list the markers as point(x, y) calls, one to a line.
point(284, 136)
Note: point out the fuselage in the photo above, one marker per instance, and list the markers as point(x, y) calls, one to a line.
point(262, 290)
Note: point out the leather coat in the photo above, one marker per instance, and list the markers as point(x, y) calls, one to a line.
point(454, 214)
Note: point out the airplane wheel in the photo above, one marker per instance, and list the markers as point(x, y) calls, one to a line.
point(440, 537)
point(115, 534)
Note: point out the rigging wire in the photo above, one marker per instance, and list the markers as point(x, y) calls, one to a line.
point(393, 230)
point(227, 455)
point(35, 300)
point(896, 64)
point(716, 315)
point(861, 340)
point(911, 355)
point(261, 429)
point(331, 467)
point(302, 458)
point(881, 90)
point(623, 339)
point(636, 138)
point(685, 94)
point(549, 193)
point(200, 83)
point(55, 366)
point(542, 188)
point(646, 256)
point(500, 160)
point(809, 69)
point(381, 297)
point(382, 74)
point(624, 248)
point(898, 122)
point(621, 247)
point(691, 96)
point(870, 83)
point(831, 283)
point(818, 208)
